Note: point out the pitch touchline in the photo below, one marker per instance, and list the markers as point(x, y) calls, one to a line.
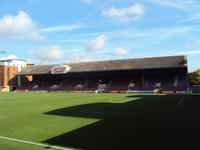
point(33, 143)
point(180, 102)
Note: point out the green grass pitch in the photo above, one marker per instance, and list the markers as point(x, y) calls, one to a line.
point(99, 121)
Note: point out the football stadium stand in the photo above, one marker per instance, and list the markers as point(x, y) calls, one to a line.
point(163, 74)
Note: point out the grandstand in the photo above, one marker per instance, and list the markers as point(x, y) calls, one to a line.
point(165, 74)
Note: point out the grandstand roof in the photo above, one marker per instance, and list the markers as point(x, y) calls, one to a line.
point(113, 65)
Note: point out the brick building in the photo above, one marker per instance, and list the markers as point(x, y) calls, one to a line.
point(8, 70)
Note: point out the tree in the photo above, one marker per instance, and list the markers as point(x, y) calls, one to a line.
point(194, 77)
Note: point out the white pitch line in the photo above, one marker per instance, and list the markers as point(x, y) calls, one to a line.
point(33, 143)
point(180, 102)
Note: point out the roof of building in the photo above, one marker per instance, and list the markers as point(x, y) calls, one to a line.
point(8, 60)
point(113, 65)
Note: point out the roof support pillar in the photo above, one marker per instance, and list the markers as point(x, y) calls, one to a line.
point(142, 78)
point(19, 81)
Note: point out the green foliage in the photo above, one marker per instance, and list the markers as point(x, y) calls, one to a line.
point(194, 77)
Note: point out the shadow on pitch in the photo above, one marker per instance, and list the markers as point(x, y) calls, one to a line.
point(126, 131)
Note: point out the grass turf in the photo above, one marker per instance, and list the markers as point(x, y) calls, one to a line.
point(100, 121)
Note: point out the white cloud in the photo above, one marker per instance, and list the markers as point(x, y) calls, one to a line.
point(96, 44)
point(46, 54)
point(87, 57)
point(124, 15)
point(92, 47)
point(191, 52)
point(193, 17)
point(158, 34)
point(180, 4)
point(29, 60)
point(20, 26)
point(82, 57)
point(11, 56)
point(62, 28)
point(120, 51)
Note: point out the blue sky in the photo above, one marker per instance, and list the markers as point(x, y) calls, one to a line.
point(63, 31)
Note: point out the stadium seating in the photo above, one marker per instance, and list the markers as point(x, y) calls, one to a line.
point(135, 82)
point(119, 84)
